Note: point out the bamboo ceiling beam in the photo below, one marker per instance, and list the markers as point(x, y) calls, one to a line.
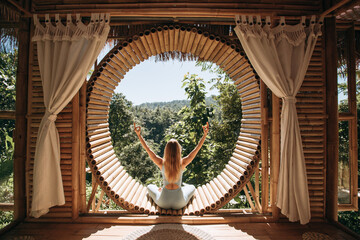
point(335, 7)
point(20, 8)
point(174, 13)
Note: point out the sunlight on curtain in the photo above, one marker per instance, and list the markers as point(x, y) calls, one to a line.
point(66, 54)
point(281, 55)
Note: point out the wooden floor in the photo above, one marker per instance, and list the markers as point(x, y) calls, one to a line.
point(59, 231)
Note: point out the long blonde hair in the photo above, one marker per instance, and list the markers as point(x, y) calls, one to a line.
point(172, 160)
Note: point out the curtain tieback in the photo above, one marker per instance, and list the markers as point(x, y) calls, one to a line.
point(289, 99)
point(51, 116)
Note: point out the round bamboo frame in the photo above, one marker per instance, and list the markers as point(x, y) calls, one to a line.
point(172, 41)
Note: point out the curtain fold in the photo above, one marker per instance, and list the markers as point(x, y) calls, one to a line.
point(280, 56)
point(65, 54)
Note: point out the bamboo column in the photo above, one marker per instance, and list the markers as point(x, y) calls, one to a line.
point(20, 121)
point(275, 154)
point(264, 148)
point(82, 172)
point(75, 155)
point(353, 134)
point(332, 142)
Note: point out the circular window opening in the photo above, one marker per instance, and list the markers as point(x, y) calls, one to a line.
point(170, 42)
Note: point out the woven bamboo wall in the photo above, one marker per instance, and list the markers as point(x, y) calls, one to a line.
point(36, 110)
point(311, 110)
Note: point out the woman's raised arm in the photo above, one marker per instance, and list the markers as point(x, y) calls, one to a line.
point(155, 158)
point(188, 159)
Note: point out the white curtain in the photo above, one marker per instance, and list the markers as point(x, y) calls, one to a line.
point(65, 54)
point(281, 55)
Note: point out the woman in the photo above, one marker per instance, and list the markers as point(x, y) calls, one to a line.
point(172, 195)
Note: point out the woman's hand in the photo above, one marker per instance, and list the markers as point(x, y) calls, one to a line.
point(206, 128)
point(137, 129)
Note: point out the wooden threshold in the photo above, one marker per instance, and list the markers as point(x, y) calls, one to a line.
point(288, 231)
point(141, 219)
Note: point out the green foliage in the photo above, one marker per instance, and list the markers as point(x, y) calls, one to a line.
point(6, 218)
point(351, 219)
point(188, 131)
point(106, 202)
point(6, 149)
point(8, 68)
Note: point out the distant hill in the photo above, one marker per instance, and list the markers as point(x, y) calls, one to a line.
point(175, 104)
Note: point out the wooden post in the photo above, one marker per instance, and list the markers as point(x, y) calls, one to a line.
point(75, 152)
point(353, 146)
point(332, 142)
point(82, 172)
point(275, 154)
point(20, 121)
point(264, 148)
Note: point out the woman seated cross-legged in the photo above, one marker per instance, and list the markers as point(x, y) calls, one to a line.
point(172, 195)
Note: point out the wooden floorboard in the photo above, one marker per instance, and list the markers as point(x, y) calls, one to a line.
point(262, 231)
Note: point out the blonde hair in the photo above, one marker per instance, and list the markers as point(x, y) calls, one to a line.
point(172, 160)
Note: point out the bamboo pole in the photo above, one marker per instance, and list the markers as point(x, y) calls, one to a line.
point(191, 40)
point(166, 38)
point(111, 164)
point(204, 199)
point(113, 179)
point(127, 57)
point(332, 131)
point(149, 40)
point(129, 193)
point(196, 41)
point(216, 190)
point(208, 196)
point(221, 188)
point(119, 63)
point(94, 189)
point(140, 45)
point(204, 38)
point(119, 183)
point(160, 33)
point(199, 203)
point(75, 155)
point(105, 148)
point(141, 197)
point(176, 37)
point(82, 172)
point(353, 134)
point(134, 47)
point(136, 195)
point(98, 205)
point(186, 40)
point(133, 58)
point(214, 196)
point(155, 40)
point(171, 37)
point(275, 154)
point(249, 198)
point(124, 187)
point(206, 47)
point(255, 197)
point(20, 134)
point(145, 43)
point(181, 38)
point(212, 47)
point(264, 148)
point(217, 49)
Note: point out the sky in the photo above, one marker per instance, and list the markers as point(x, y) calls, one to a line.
point(152, 81)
